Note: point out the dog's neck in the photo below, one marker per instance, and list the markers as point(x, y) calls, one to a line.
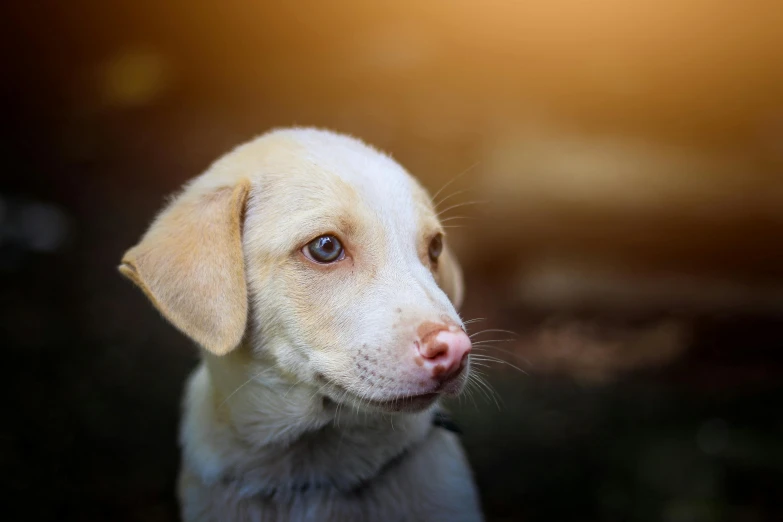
point(258, 429)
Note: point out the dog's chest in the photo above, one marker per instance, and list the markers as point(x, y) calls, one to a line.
point(430, 483)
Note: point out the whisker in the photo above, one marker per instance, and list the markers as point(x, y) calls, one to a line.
point(463, 204)
point(452, 218)
point(297, 383)
point(494, 330)
point(318, 391)
point(489, 358)
point(505, 351)
point(486, 386)
point(474, 320)
point(482, 365)
point(495, 395)
point(251, 379)
point(469, 392)
point(479, 390)
point(455, 178)
point(485, 341)
point(339, 410)
point(455, 193)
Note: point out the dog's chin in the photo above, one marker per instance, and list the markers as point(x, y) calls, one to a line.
point(403, 403)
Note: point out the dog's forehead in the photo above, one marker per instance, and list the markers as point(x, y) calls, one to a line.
point(379, 180)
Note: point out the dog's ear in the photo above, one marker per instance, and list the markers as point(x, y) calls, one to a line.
point(449, 276)
point(191, 266)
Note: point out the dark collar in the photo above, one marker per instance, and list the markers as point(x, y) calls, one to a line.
point(440, 420)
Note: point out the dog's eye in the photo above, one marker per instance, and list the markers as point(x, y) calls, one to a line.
point(324, 249)
point(436, 247)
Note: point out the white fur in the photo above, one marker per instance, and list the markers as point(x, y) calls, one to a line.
point(298, 401)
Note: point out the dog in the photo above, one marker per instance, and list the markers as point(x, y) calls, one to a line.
point(313, 273)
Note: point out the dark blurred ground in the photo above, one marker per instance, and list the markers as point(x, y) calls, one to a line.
point(631, 155)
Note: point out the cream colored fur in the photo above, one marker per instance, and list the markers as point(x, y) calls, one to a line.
point(291, 416)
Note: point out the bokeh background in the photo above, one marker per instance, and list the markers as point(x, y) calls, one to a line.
point(620, 169)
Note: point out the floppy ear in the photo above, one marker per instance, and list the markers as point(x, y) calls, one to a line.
point(191, 266)
point(450, 277)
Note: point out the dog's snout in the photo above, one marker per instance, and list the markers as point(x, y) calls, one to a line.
point(442, 352)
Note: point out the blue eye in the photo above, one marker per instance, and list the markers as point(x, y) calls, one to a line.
point(435, 248)
point(324, 249)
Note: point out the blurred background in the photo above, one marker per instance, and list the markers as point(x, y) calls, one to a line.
point(617, 167)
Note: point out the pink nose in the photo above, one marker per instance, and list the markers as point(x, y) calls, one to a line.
point(443, 352)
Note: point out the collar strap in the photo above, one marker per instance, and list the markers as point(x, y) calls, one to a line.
point(442, 420)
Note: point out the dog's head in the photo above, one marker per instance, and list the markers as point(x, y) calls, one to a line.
point(322, 253)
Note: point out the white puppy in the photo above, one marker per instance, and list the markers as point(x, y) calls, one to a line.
point(312, 271)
